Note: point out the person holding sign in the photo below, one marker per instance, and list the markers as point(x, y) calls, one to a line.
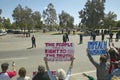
point(102, 67)
point(60, 73)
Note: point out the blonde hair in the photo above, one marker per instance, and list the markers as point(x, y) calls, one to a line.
point(115, 78)
point(60, 74)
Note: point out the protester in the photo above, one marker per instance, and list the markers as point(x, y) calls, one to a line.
point(61, 74)
point(117, 37)
point(81, 38)
point(94, 36)
point(64, 38)
point(112, 52)
point(22, 74)
point(67, 37)
point(111, 36)
point(5, 74)
point(33, 41)
point(102, 67)
point(89, 77)
point(102, 36)
point(41, 74)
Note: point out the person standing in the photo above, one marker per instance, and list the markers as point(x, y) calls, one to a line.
point(5, 74)
point(81, 38)
point(94, 36)
point(111, 36)
point(117, 37)
point(64, 38)
point(103, 36)
point(67, 37)
point(33, 41)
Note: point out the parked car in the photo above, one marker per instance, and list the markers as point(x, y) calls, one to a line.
point(2, 33)
point(17, 32)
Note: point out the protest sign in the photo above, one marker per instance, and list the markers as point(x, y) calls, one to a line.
point(97, 47)
point(59, 51)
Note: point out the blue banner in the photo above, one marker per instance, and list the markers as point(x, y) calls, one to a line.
point(97, 47)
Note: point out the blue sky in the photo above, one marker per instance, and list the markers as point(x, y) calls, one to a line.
point(70, 6)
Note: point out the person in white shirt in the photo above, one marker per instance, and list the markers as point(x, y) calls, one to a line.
point(61, 74)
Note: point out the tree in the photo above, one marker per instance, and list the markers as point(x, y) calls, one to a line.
point(92, 14)
point(6, 23)
point(18, 16)
point(36, 16)
point(66, 21)
point(0, 19)
point(26, 19)
point(49, 16)
point(109, 20)
point(118, 24)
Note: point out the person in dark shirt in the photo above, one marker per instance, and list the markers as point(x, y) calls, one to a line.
point(81, 38)
point(103, 36)
point(111, 36)
point(33, 41)
point(41, 74)
point(64, 38)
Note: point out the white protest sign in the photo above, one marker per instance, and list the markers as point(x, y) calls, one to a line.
point(97, 47)
point(59, 51)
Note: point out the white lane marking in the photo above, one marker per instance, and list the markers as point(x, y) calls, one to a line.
point(83, 72)
point(14, 58)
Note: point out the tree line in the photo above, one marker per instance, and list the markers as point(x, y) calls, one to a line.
point(92, 17)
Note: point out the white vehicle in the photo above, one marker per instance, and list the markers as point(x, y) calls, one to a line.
point(2, 32)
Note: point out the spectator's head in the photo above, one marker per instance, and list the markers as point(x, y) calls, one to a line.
point(22, 72)
point(60, 74)
point(4, 66)
point(115, 78)
point(41, 69)
point(103, 59)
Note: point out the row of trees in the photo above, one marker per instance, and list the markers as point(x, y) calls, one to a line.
point(25, 18)
point(92, 16)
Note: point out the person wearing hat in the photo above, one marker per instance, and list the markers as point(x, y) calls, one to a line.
point(5, 74)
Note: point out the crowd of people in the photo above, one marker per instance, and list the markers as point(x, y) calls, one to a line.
point(41, 74)
point(107, 69)
point(109, 66)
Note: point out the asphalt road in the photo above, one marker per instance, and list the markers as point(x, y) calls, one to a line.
point(16, 48)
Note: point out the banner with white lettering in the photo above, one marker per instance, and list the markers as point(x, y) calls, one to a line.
point(59, 51)
point(97, 47)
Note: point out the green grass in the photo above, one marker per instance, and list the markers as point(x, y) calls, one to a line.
point(60, 33)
